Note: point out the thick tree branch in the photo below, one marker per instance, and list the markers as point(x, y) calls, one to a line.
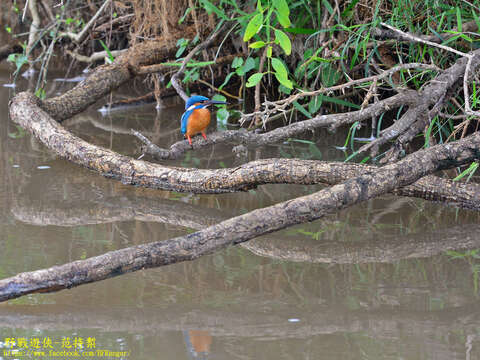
point(24, 110)
point(245, 227)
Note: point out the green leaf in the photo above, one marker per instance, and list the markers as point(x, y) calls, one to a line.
point(283, 79)
point(477, 19)
point(328, 6)
point(269, 51)
point(300, 108)
point(282, 8)
point(283, 20)
point(219, 97)
point(253, 26)
point(259, 5)
point(459, 20)
point(209, 7)
point(315, 104)
point(254, 79)
point(303, 31)
point(284, 41)
point(279, 67)
point(257, 44)
point(340, 102)
point(227, 79)
point(237, 62)
point(284, 89)
point(470, 170)
point(249, 65)
point(110, 56)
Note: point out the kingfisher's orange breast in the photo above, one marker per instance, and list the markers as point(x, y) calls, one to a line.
point(198, 121)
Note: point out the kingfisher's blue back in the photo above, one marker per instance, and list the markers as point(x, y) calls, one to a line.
point(190, 107)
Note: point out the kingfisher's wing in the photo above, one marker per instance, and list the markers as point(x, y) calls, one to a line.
point(185, 117)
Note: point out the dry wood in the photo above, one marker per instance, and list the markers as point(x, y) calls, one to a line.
point(245, 227)
point(24, 111)
point(282, 133)
point(105, 79)
point(428, 97)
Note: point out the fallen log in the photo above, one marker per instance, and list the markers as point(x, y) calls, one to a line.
point(25, 111)
point(245, 227)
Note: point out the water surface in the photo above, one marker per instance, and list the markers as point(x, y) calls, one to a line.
point(392, 278)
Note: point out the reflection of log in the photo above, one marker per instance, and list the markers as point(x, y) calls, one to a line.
point(421, 245)
point(241, 228)
point(241, 323)
point(115, 208)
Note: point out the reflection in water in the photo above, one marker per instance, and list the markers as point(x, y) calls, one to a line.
point(198, 343)
point(391, 278)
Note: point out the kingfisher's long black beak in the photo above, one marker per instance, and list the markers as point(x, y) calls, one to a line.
point(211, 102)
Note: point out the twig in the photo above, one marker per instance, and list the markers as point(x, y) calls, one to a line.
point(95, 56)
point(469, 56)
point(78, 38)
point(118, 20)
point(282, 133)
point(174, 80)
point(148, 69)
point(34, 27)
point(226, 93)
point(280, 105)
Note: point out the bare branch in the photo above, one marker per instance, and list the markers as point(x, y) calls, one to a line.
point(174, 80)
point(78, 38)
point(272, 107)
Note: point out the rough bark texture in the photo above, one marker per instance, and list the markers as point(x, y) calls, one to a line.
point(245, 227)
point(105, 79)
point(25, 111)
point(282, 133)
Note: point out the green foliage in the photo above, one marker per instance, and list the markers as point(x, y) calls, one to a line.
point(18, 59)
point(469, 171)
point(262, 25)
point(109, 53)
point(182, 45)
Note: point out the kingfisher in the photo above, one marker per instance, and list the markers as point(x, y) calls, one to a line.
point(196, 117)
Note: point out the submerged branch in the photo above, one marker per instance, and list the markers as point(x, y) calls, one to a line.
point(245, 227)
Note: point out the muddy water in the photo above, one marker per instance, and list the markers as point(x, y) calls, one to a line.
point(394, 278)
